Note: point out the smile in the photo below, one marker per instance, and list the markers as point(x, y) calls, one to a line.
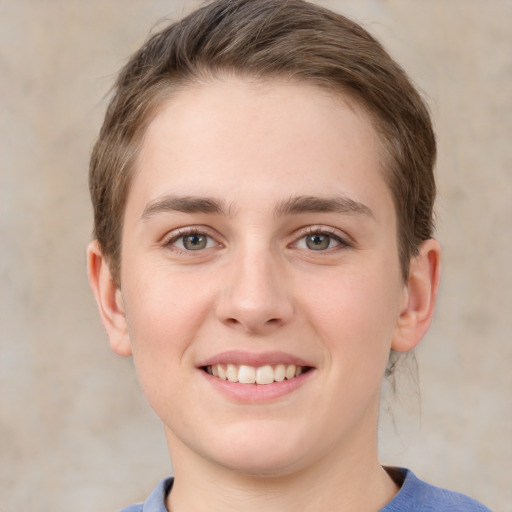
point(266, 374)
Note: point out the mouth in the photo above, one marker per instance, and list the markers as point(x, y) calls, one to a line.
point(262, 375)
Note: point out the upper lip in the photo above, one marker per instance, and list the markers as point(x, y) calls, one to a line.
point(255, 359)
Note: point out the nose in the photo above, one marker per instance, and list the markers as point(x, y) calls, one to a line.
point(255, 296)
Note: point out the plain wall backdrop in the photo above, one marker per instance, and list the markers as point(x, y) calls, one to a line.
point(75, 431)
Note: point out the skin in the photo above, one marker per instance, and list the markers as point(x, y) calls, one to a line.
point(257, 287)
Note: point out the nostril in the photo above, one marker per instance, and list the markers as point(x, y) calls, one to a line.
point(254, 324)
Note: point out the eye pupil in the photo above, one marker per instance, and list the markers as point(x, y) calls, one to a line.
point(194, 242)
point(318, 242)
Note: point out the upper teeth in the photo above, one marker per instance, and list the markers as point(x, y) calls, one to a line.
point(251, 374)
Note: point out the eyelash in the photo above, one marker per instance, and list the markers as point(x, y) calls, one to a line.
point(342, 243)
point(170, 240)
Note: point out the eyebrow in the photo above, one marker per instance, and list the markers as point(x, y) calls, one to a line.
point(184, 204)
point(313, 204)
point(292, 206)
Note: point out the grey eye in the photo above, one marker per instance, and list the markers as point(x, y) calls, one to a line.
point(195, 242)
point(318, 242)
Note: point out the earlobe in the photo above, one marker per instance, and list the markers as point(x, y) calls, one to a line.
point(109, 300)
point(420, 293)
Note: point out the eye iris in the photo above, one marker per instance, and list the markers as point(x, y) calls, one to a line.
point(318, 242)
point(194, 242)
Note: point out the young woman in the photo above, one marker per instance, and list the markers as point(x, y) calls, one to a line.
point(263, 193)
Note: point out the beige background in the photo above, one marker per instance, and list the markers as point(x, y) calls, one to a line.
point(75, 432)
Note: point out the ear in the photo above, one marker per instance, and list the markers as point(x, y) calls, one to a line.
point(419, 297)
point(109, 300)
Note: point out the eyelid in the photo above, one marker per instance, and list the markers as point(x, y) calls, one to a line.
point(171, 237)
point(343, 239)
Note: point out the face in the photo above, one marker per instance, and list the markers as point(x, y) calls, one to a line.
point(259, 245)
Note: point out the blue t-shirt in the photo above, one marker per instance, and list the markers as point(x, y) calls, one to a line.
point(414, 496)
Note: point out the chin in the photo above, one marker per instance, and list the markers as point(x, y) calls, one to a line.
point(262, 452)
point(260, 465)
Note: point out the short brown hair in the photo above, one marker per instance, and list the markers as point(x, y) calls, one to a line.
point(290, 39)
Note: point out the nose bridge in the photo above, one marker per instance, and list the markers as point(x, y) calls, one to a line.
point(255, 295)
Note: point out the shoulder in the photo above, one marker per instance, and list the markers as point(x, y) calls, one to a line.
point(418, 496)
point(133, 508)
point(155, 501)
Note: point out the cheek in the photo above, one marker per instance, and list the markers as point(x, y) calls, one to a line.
point(355, 315)
point(164, 314)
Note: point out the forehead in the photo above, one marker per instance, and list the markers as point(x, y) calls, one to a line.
point(227, 137)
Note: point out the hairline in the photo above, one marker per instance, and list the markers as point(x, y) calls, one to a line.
point(170, 87)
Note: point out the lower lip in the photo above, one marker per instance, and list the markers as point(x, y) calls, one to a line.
point(257, 393)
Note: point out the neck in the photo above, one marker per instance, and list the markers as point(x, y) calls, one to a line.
point(353, 482)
